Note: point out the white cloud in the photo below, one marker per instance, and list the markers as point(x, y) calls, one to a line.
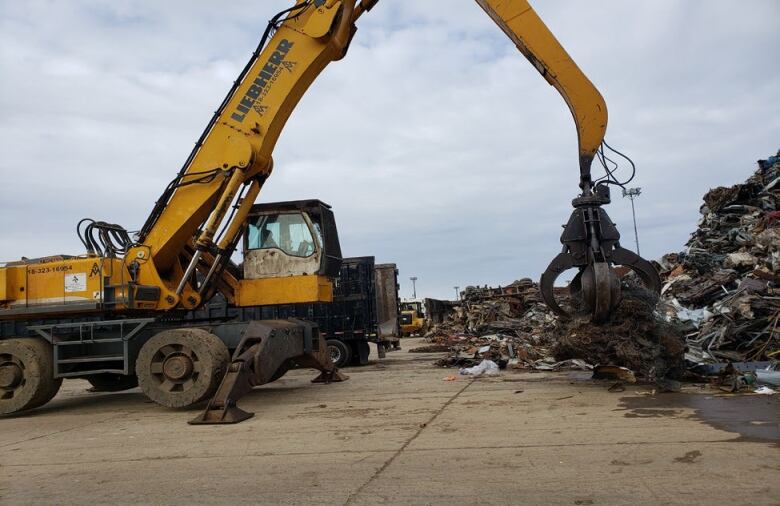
point(438, 145)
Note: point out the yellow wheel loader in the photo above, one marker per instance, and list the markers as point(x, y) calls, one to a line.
point(412, 318)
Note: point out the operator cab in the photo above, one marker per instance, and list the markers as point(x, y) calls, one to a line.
point(296, 238)
point(412, 305)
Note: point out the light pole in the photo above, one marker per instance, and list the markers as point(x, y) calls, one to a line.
point(632, 193)
point(457, 292)
point(414, 286)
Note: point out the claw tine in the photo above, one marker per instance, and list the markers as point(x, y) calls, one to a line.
point(546, 286)
point(560, 263)
point(606, 292)
point(575, 287)
point(644, 269)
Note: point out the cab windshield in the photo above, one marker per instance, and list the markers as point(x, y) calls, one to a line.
point(288, 232)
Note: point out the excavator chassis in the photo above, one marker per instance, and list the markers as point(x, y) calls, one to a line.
point(268, 349)
point(177, 363)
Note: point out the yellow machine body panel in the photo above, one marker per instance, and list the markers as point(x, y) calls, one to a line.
point(287, 290)
point(4, 291)
point(72, 285)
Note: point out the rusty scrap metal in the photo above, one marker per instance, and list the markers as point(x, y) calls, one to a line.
point(724, 287)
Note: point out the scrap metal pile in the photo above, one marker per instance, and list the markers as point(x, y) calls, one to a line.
point(725, 287)
point(636, 336)
point(511, 321)
point(512, 326)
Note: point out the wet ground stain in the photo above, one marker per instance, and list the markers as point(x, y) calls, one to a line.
point(755, 418)
point(654, 413)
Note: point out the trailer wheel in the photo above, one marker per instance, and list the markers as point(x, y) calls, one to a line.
point(340, 354)
point(26, 374)
point(181, 367)
point(110, 382)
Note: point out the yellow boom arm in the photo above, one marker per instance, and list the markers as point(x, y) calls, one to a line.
point(234, 154)
point(532, 37)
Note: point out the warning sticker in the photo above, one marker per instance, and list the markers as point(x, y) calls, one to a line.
point(76, 282)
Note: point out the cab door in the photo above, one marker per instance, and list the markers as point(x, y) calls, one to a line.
point(291, 254)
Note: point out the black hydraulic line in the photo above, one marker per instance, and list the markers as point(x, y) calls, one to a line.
point(83, 237)
point(104, 239)
point(629, 160)
point(609, 177)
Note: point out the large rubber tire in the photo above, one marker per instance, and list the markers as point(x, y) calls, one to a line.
point(26, 374)
point(110, 382)
point(181, 367)
point(339, 352)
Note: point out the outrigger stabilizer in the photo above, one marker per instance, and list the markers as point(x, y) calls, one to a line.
point(268, 349)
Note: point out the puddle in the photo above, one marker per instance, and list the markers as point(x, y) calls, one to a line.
point(755, 418)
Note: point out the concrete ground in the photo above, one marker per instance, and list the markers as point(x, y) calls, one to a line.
point(397, 433)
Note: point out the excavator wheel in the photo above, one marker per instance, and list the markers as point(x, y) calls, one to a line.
point(181, 367)
point(26, 374)
point(109, 382)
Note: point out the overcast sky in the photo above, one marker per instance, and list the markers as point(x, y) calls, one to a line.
point(461, 161)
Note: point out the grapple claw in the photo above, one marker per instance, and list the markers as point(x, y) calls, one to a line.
point(591, 243)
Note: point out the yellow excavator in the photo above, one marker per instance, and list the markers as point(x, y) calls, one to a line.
point(122, 313)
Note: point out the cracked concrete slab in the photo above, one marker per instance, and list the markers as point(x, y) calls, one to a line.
point(395, 433)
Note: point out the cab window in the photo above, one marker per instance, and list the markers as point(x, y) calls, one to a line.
point(287, 232)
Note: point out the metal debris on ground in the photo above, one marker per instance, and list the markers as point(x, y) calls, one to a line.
point(613, 372)
point(431, 348)
point(511, 325)
point(635, 337)
point(768, 376)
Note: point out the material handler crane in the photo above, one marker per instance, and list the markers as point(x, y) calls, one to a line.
point(115, 315)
